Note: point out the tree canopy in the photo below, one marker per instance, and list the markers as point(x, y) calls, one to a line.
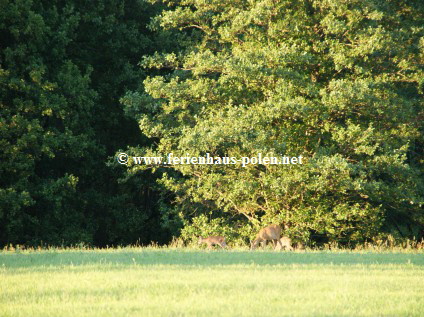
point(63, 68)
point(338, 82)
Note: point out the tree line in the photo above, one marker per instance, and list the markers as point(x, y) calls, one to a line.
point(338, 82)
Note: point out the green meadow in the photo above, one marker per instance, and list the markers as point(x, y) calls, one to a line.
point(184, 282)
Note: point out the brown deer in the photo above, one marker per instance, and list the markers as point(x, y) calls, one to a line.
point(270, 233)
point(213, 240)
point(286, 243)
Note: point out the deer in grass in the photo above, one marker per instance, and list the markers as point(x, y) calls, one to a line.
point(286, 243)
point(213, 240)
point(270, 233)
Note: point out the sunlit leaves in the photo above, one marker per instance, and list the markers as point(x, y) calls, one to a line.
point(335, 81)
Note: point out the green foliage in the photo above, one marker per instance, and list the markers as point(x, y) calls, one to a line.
point(235, 233)
point(63, 68)
point(338, 82)
point(43, 125)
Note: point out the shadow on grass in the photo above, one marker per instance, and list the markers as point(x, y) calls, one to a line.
point(142, 257)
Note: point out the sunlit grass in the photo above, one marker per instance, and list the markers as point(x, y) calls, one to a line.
point(184, 282)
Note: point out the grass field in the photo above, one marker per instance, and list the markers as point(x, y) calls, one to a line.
point(171, 282)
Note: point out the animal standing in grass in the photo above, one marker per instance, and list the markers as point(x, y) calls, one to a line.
point(213, 240)
point(286, 243)
point(270, 233)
